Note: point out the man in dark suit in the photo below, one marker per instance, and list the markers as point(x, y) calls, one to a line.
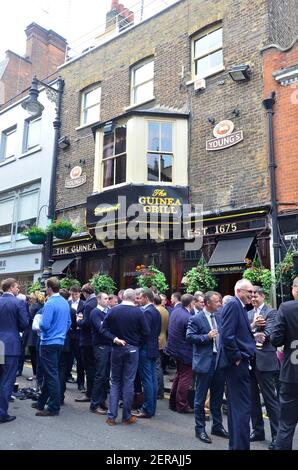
point(285, 333)
point(83, 322)
point(149, 354)
point(264, 368)
point(236, 351)
point(77, 304)
point(14, 318)
point(203, 333)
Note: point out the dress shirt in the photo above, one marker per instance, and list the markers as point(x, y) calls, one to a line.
point(208, 316)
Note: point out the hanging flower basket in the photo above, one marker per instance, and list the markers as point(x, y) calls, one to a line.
point(62, 229)
point(62, 233)
point(36, 235)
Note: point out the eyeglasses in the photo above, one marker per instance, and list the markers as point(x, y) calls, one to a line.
point(249, 291)
point(295, 285)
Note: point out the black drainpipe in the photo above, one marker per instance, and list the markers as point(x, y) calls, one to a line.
point(268, 104)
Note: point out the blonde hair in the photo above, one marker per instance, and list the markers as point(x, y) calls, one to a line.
point(38, 296)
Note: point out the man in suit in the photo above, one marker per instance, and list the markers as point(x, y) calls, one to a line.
point(285, 333)
point(83, 322)
point(178, 348)
point(236, 351)
point(14, 318)
point(203, 333)
point(149, 354)
point(77, 304)
point(264, 368)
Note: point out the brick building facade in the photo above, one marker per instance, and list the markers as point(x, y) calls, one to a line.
point(193, 45)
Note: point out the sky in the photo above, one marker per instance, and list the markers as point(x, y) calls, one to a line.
point(78, 21)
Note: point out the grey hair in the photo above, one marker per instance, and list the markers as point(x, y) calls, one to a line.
point(241, 284)
point(129, 294)
point(139, 291)
point(226, 299)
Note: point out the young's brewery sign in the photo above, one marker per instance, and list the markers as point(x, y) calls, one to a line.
point(224, 136)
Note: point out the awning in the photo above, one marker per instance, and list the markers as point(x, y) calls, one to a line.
point(230, 251)
point(59, 265)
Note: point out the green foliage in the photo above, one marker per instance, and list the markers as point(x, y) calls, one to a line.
point(67, 282)
point(285, 273)
point(259, 276)
point(63, 224)
point(103, 283)
point(35, 286)
point(199, 278)
point(34, 230)
point(153, 277)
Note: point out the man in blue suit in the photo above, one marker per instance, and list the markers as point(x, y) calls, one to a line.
point(203, 333)
point(236, 352)
point(13, 319)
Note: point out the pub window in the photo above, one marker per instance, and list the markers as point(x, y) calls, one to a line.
point(207, 53)
point(142, 82)
point(160, 151)
point(114, 157)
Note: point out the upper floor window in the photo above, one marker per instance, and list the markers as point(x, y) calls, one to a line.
point(91, 105)
point(208, 53)
point(32, 134)
point(142, 82)
point(114, 157)
point(18, 210)
point(160, 151)
point(8, 143)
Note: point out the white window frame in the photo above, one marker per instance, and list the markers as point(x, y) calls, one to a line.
point(28, 123)
point(206, 53)
point(4, 136)
point(135, 86)
point(84, 108)
point(114, 158)
point(148, 151)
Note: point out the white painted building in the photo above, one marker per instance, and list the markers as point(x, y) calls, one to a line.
point(26, 151)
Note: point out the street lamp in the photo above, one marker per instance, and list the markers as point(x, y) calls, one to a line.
point(35, 108)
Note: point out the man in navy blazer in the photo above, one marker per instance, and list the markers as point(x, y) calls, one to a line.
point(236, 351)
point(203, 333)
point(149, 353)
point(13, 319)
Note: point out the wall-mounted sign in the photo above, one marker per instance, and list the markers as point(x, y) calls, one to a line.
point(227, 269)
point(74, 249)
point(231, 227)
point(76, 178)
point(224, 136)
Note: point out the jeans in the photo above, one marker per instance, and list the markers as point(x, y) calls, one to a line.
point(124, 362)
point(149, 381)
point(101, 382)
point(50, 390)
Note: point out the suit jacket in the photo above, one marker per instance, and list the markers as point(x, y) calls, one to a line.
point(177, 346)
point(197, 335)
point(266, 358)
point(285, 333)
point(85, 334)
point(14, 318)
point(153, 318)
point(81, 305)
point(236, 340)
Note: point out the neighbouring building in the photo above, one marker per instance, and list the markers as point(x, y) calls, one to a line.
point(168, 112)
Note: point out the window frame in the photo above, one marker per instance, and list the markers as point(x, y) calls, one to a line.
point(85, 109)
point(4, 134)
point(114, 158)
point(199, 36)
point(160, 153)
point(134, 87)
point(29, 122)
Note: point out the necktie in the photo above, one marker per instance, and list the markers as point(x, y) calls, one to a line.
point(214, 327)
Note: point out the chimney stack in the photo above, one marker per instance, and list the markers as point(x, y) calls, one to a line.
point(119, 17)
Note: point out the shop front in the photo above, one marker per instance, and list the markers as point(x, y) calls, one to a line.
point(24, 267)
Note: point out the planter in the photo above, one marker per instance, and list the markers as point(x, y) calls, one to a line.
point(62, 233)
point(37, 238)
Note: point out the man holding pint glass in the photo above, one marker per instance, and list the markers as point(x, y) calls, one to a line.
point(264, 369)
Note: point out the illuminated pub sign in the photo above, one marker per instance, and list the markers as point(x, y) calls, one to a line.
point(115, 204)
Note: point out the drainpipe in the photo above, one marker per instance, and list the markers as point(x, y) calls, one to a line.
point(268, 104)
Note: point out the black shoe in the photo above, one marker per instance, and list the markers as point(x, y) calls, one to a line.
point(83, 400)
point(221, 432)
point(203, 436)
point(7, 419)
point(254, 437)
point(272, 445)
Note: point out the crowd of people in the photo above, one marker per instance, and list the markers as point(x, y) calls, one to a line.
point(121, 347)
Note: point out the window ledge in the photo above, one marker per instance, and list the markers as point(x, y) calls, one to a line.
point(128, 108)
point(84, 126)
point(36, 149)
point(7, 161)
point(191, 82)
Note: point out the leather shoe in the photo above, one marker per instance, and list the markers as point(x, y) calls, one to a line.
point(7, 419)
point(141, 415)
point(83, 400)
point(272, 445)
point(255, 437)
point(203, 436)
point(47, 413)
point(221, 432)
